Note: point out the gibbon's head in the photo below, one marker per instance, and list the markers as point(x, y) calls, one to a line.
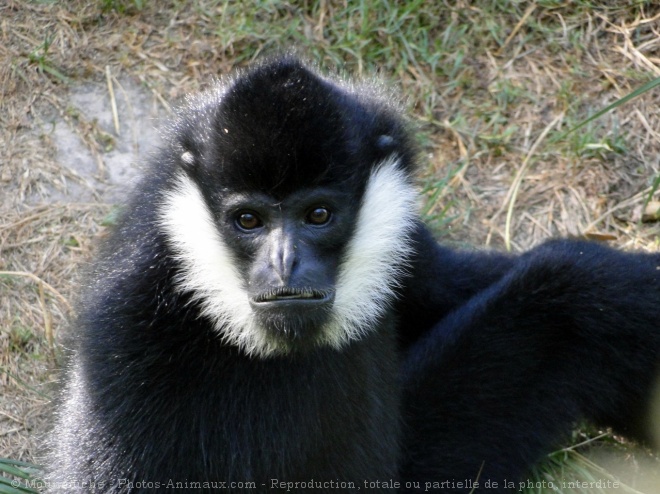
point(290, 209)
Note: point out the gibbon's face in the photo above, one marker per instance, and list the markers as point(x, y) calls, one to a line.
point(290, 211)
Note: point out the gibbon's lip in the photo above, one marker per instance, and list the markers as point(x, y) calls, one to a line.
point(281, 294)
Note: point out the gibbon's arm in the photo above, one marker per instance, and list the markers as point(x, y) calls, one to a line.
point(572, 331)
point(440, 280)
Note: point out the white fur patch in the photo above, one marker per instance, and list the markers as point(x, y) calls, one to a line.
point(376, 256)
point(208, 270)
point(369, 271)
point(188, 158)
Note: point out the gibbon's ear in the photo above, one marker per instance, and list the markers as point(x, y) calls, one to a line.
point(386, 144)
point(187, 159)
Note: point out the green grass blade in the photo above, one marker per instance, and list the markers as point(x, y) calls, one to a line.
point(621, 101)
point(17, 470)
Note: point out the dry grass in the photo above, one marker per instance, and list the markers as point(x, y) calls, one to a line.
point(492, 88)
point(43, 248)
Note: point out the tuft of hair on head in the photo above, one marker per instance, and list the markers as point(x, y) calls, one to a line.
point(283, 123)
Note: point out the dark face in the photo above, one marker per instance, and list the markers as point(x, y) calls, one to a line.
point(289, 252)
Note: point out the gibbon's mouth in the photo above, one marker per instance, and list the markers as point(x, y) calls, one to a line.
point(293, 315)
point(284, 294)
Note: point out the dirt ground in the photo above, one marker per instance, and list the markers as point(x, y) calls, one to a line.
point(84, 87)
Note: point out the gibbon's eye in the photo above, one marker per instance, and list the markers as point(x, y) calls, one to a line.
point(318, 216)
point(248, 221)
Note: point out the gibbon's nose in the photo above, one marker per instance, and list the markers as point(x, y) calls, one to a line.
point(283, 256)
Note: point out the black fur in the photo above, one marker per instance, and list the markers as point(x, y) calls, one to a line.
point(481, 365)
point(567, 332)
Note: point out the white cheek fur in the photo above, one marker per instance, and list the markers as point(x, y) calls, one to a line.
point(208, 268)
point(376, 256)
point(368, 274)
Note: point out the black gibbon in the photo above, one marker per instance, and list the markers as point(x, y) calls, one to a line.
point(270, 313)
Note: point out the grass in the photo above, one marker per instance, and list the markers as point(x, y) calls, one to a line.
point(18, 478)
point(495, 88)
